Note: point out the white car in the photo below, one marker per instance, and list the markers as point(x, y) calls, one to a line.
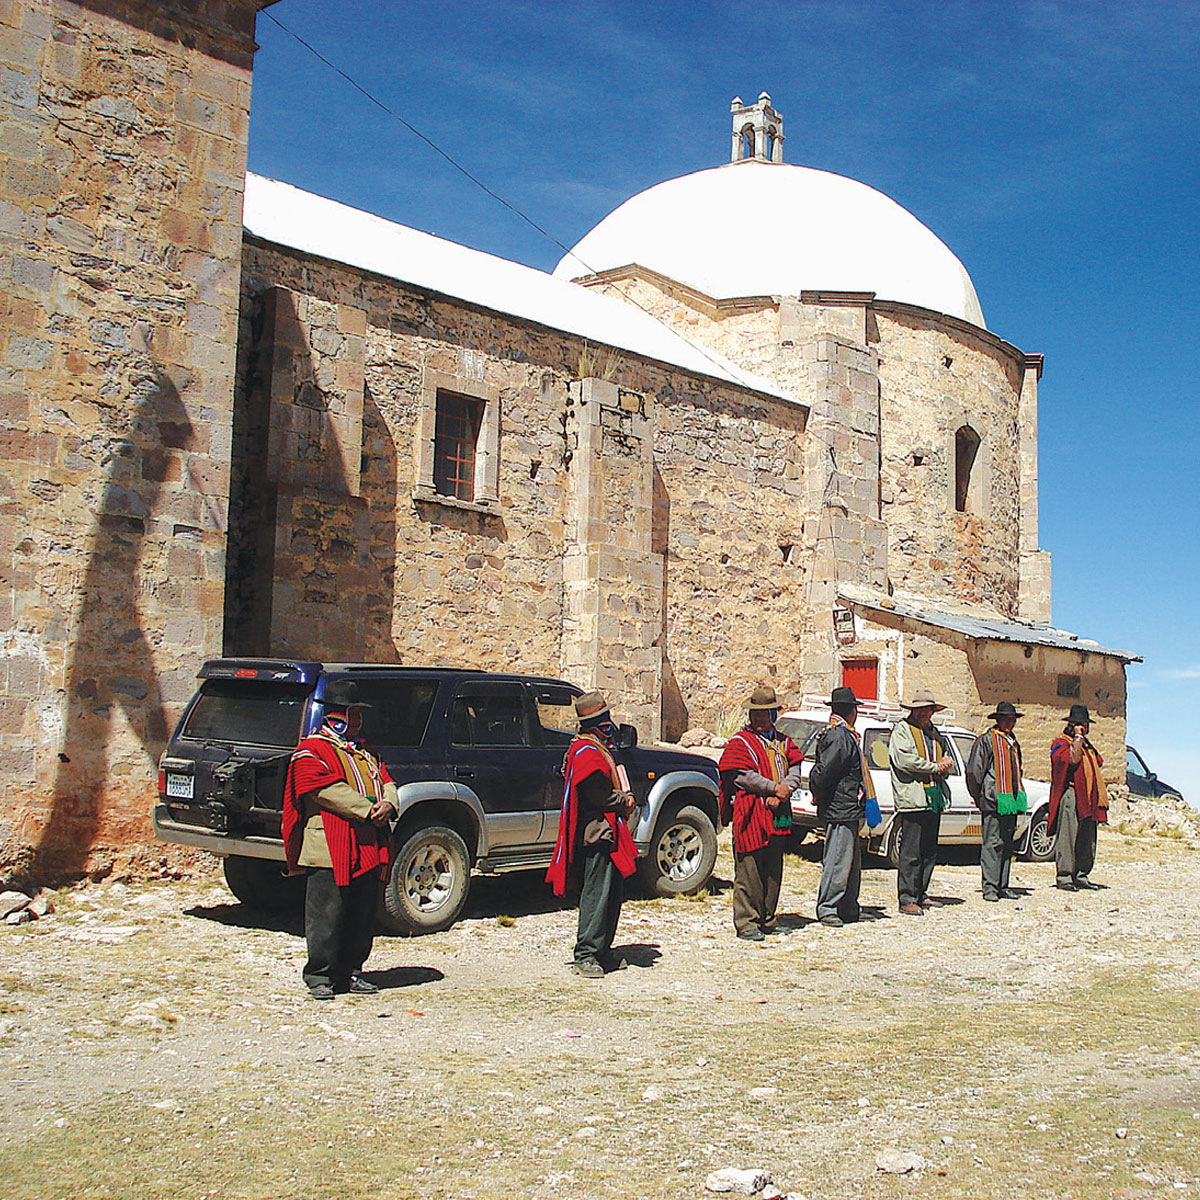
point(961, 822)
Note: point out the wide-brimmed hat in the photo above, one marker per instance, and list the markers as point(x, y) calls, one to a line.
point(1005, 708)
point(1079, 715)
point(842, 697)
point(342, 694)
point(763, 697)
point(590, 705)
point(922, 700)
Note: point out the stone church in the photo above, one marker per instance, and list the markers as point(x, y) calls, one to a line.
point(239, 418)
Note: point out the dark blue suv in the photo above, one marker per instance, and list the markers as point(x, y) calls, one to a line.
point(477, 760)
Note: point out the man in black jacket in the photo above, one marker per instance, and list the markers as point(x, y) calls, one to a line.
point(836, 783)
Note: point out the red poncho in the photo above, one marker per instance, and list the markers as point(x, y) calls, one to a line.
point(1091, 795)
point(586, 756)
point(321, 759)
point(753, 822)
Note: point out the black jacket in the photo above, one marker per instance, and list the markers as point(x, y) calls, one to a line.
point(836, 776)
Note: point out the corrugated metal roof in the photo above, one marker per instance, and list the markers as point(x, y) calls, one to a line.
point(980, 626)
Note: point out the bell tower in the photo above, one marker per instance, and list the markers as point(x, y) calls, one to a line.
point(757, 131)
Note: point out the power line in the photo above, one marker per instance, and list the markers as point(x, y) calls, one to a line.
point(722, 367)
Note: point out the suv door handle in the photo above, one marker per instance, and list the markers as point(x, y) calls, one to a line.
point(464, 773)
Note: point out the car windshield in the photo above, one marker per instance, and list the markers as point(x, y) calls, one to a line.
point(802, 730)
point(248, 711)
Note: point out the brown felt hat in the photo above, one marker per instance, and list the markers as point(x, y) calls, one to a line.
point(922, 700)
point(590, 705)
point(762, 697)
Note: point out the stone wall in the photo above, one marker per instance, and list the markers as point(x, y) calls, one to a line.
point(615, 548)
point(122, 160)
point(935, 379)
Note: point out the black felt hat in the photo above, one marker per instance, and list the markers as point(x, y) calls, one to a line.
point(842, 697)
point(1005, 708)
point(1079, 715)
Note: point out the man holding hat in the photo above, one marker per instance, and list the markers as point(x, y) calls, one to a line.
point(337, 801)
point(919, 760)
point(595, 851)
point(1078, 801)
point(994, 781)
point(760, 768)
point(840, 784)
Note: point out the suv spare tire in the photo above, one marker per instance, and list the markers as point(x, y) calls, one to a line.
point(427, 886)
point(681, 854)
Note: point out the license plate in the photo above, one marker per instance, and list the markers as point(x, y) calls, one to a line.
point(181, 787)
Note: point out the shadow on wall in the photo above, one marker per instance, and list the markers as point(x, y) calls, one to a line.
point(311, 567)
point(110, 676)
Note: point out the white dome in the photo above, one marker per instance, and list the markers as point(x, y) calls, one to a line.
point(770, 229)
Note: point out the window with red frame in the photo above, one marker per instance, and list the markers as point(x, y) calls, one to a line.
point(456, 434)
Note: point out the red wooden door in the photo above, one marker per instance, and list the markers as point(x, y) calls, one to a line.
point(861, 675)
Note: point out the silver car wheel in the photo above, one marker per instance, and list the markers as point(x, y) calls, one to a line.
point(429, 878)
point(680, 850)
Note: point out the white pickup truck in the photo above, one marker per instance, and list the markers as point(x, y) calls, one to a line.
point(961, 823)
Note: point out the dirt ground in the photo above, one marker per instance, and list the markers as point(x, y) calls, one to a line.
point(158, 1043)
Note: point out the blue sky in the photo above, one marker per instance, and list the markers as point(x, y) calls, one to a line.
point(1054, 146)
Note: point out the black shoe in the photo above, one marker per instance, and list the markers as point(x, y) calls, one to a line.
point(589, 968)
point(1086, 885)
point(752, 935)
point(1009, 894)
point(321, 991)
point(833, 922)
point(359, 984)
point(1066, 887)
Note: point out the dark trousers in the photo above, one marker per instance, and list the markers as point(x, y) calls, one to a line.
point(757, 877)
point(339, 925)
point(1075, 850)
point(841, 872)
point(918, 852)
point(600, 894)
point(996, 852)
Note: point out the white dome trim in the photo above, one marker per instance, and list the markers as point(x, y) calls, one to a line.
point(772, 229)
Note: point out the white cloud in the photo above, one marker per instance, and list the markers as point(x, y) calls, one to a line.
point(1181, 673)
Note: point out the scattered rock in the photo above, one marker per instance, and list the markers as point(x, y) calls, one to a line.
point(761, 1093)
point(12, 901)
point(1122, 1133)
point(735, 1179)
point(652, 1093)
point(41, 905)
point(899, 1162)
point(19, 917)
point(697, 737)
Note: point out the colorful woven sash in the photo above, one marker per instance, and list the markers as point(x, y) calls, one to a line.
point(1006, 763)
point(874, 818)
point(929, 747)
point(777, 763)
point(1091, 792)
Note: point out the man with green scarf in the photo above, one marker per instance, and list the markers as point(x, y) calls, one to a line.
point(994, 781)
point(919, 760)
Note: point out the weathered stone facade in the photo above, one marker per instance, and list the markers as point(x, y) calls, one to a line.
point(122, 163)
point(212, 442)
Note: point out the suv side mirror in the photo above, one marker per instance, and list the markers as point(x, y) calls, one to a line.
point(627, 738)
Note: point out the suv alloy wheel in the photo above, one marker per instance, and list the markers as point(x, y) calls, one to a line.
point(427, 886)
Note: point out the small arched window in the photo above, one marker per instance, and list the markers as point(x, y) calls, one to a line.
point(966, 447)
point(747, 141)
point(770, 143)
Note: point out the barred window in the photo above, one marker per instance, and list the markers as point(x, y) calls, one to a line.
point(456, 435)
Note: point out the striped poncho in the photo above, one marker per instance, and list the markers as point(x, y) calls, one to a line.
point(325, 758)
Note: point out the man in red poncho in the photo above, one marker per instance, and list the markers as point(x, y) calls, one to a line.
point(1078, 802)
point(595, 851)
point(337, 802)
point(760, 769)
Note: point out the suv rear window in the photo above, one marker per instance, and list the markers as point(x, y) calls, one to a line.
point(247, 710)
point(802, 731)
